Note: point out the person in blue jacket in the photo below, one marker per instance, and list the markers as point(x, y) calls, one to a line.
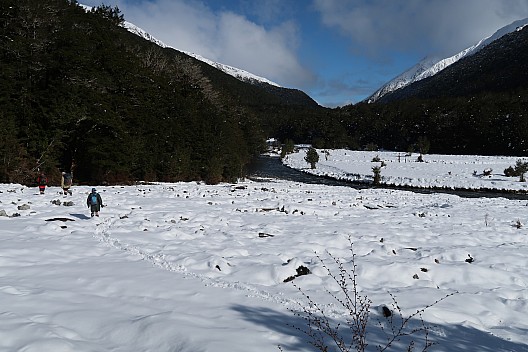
point(94, 202)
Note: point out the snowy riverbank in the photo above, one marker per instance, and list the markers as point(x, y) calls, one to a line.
point(190, 267)
point(437, 171)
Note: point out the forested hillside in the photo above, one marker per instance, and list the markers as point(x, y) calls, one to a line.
point(479, 105)
point(79, 91)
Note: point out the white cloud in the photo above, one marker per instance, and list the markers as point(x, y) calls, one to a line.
point(222, 36)
point(267, 52)
point(269, 11)
point(264, 37)
point(183, 25)
point(443, 26)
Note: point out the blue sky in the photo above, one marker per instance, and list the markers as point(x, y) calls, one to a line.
point(337, 51)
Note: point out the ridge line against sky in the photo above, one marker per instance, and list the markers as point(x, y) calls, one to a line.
point(337, 51)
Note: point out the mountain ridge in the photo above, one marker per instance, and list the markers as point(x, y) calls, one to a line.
point(428, 67)
point(238, 73)
point(501, 67)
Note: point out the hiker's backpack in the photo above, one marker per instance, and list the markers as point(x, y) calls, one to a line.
point(93, 199)
point(67, 179)
point(42, 181)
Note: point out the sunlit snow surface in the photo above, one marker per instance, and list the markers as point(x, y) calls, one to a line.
point(195, 267)
point(402, 169)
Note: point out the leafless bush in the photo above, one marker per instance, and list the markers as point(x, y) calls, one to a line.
point(326, 335)
point(399, 327)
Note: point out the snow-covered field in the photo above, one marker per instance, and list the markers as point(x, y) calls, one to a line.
point(448, 171)
point(200, 268)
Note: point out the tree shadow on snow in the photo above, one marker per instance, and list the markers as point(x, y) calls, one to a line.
point(284, 324)
point(447, 338)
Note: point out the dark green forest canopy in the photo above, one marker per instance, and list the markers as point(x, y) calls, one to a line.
point(81, 92)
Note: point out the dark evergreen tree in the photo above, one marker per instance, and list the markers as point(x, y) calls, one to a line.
point(312, 157)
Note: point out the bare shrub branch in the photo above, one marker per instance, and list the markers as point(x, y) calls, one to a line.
point(327, 335)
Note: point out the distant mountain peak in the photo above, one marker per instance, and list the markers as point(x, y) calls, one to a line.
point(429, 66)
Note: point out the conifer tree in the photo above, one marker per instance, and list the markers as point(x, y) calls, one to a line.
point(312, 157)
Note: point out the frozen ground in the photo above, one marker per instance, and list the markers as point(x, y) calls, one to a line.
point(447, 171)
point(201, 268)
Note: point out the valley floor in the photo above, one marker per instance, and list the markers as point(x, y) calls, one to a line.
point(201, 268)
point(440, 171)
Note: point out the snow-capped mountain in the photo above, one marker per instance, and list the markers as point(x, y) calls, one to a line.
point(429, 66)
point(230, 70)
point(404, 79)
